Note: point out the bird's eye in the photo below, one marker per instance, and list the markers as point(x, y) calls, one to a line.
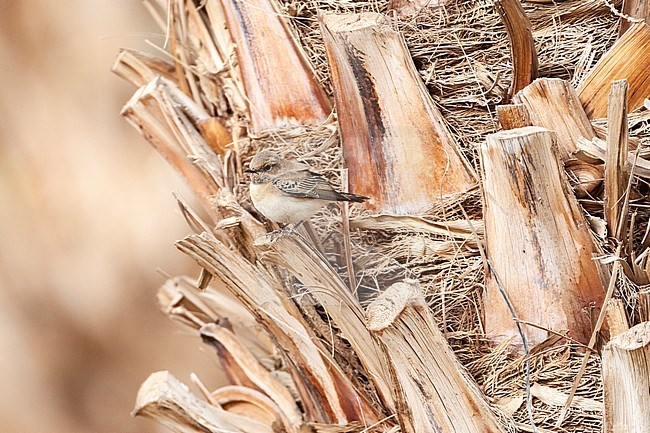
point(266, 167)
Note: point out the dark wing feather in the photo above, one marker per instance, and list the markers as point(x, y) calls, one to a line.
point(313, 185)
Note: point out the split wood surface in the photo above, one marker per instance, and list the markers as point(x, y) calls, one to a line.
point(643, 306)
point(387, 118)
point(170, 402)
point(553, 104)
point(327, 394)
point(626, 379)
point(249, 372)
point(616, 318)
point(312, 270)
point(546, 254)
point(170, 120)
point(432, 391)
point(138, 68)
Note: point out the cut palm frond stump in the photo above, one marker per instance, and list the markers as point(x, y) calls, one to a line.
point(524, 185)
point(498, 278)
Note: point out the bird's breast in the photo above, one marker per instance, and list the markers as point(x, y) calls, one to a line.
point(281, 208)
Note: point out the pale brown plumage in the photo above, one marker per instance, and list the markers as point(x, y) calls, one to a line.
point(289, 192)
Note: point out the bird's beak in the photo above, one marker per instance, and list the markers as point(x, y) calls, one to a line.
point(248, 170)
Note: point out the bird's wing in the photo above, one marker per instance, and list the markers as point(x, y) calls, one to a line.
point(307, 185)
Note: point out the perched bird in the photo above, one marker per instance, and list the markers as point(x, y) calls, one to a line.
point(289, 192)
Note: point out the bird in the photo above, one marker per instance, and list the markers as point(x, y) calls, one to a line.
point(290, 192)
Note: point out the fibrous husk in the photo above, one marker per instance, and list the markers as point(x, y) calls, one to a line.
point(461, 52)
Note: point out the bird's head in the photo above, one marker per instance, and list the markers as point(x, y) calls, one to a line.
point(265, 165)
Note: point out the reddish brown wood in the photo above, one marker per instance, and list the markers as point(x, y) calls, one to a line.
point(278, 80)
point(616, 176)
point(395, 142)
point(522, 44)
point(628, 58)
point(643, 306)
point(215, 134)
point(513, 116)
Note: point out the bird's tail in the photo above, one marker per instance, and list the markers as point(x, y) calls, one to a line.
point(346, 196)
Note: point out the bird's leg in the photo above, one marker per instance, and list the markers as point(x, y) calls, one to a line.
point(275, 235)
point(291, 228)
point(287, 230)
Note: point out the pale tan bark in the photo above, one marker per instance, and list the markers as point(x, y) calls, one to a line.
point(176, 137)
point(585, 177)
point(138, 68)
point(243, 401)
point(313, 271)
point(537, 240)
point(170, 402)
point(626, 380)
point(553, 104)
point(616, 318)
point(326, 393)
point(181, 300)
point(249, 371)
point(432, 392)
